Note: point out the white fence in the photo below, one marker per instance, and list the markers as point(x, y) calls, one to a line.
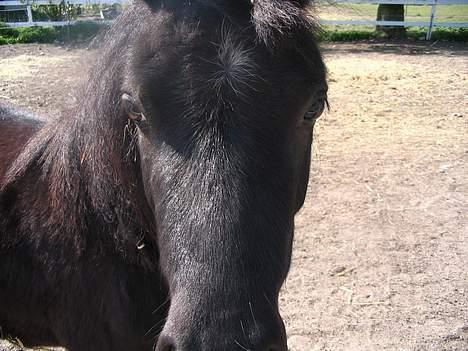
point(430, 24)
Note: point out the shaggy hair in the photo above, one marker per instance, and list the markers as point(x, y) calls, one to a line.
point(278, 20)
point(81, 175)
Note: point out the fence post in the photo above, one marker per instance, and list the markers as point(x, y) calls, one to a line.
point(29, 11)
point(431, 22)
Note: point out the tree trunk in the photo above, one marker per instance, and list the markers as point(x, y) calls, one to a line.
point(390, 12)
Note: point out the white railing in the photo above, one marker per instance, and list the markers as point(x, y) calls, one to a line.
point(430, 23)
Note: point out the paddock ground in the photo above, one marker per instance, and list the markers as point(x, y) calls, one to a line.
point(381, 250)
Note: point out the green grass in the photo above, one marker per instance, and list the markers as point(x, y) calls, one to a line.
point(81, 31)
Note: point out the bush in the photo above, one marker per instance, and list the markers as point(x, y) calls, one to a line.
point(347, 35)
point(83, 30)
point(448, 34)
point(60, 12)
point(80, 31)
point(8, 35)
point(451, 34)
point(3, 41)
point(6, 31)
point(36, 35)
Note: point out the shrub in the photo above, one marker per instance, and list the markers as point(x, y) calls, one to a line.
point(60, 12)
point(451, 34)
point(7, 31)
point(414, 33)
point(80, 31)
point(83, 30)
point(36, 34)
point(3, 41)
point(440, 33)
point(347, 35)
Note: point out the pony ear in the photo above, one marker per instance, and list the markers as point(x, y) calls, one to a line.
point(277, 20)
point(155, 4)
point(158, 4)
point(300, 3)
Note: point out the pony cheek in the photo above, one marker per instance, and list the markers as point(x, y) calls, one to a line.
point(302, 158)
point(147, 155)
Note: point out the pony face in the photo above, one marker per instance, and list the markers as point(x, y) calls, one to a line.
point(225, 108)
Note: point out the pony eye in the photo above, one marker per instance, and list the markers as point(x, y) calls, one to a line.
point(315, 110)
point(310, 116)
point(132, 109)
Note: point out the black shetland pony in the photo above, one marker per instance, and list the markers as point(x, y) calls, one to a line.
point(158, 213)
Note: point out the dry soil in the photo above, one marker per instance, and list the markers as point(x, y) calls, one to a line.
point(381, 250)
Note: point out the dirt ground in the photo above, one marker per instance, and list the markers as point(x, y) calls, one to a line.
point(381, 250)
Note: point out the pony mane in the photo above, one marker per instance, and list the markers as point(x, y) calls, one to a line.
point(86, 166)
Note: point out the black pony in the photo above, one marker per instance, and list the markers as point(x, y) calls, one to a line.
point(159, 212)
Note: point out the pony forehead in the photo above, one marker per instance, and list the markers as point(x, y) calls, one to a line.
point(275, 21)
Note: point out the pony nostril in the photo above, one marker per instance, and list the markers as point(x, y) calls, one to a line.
point(273, 345)
point(165, 343)
point(166, 348)
point(276, 348)
point(276, 345)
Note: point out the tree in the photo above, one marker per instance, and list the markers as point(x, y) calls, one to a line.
point(391, 12)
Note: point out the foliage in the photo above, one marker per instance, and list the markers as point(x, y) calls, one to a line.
point(346, 35)
point(78, 32)
point(8, 35)
point(82, 31)
point(36, 35)
point(336, 33)
point(60, 12)
point(445, 34)
point(451, 34)
point(6, 30)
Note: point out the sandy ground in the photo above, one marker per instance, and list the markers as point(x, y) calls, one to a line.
point(381, 250)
